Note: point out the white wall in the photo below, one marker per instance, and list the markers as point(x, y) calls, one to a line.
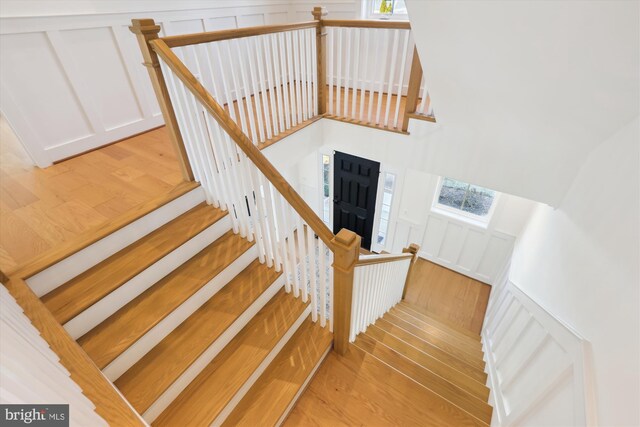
point(523, 90)
point(581, 262)
point(71, 77)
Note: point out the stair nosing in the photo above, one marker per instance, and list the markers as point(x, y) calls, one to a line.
point(462, 332)
point(156, 285)
point(301, 308)
point(130, 273)
point(276, 278)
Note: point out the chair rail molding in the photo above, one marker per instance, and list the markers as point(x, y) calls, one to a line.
point(539, 369)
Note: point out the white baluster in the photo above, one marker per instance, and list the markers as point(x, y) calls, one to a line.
point(278, 202)
point(347, 58)
point(277, 73)
point(338, 30)
point(314, 71)
point(303, 73)
point(255, 87)
point(268, 62)
point(242, 119)
point(323, 283)
point(383, 66)
point(401, 77)
point(330, 41)
point(313, 273)
point(298, 83)
point(262, 84)
point(285, 80)
point(363, 83)
point(423, 101)
point(376, 36)
point(292, 83)
point(241, 45)
point(302, 252)
point(392, 70)
point(356, 76)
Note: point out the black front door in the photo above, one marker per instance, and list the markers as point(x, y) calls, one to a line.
point(355, 185)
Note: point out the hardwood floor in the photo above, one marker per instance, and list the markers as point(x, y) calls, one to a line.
point(449, 295)
point(359, 390)
point(43, 208)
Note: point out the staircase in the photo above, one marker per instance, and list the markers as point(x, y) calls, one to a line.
point(433, 352)
point(179, 313)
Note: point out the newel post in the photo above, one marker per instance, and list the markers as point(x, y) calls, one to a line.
point(413, 90)
point(321, 55)
point(145, 31)
point(346, 247)
point(412, 249)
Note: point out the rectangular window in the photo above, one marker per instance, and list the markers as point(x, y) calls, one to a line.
point(381, 9)
point(466, 199)
point(385, 213)
point(326, 198)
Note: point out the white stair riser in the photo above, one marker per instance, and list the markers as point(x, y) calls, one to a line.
point(101, 310)
point(210, 353)
point(70, 267)
point(149, 340)
point(260, 370)
point(303, 387)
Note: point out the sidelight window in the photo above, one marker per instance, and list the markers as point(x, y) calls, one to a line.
point(385, 213)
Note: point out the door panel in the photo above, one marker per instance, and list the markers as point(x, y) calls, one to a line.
point(354, 195)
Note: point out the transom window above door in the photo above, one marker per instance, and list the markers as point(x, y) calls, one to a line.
point(464, 199)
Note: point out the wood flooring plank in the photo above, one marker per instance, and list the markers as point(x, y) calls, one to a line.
point(201, 402)
point(123, 328)
point(438, 321)
point(73, 297)
point(145, 381)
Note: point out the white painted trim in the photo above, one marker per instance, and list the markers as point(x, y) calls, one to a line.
point(304, 386)
point(537, 328)
point(70, 267)
point(101, 310)
point(261, 368)
point(208, 355)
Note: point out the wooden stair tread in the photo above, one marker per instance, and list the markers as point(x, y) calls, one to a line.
point(458, 364)
point(426, 316)
point(79, 293)
point(434, 365)
point(109, 339)
point(473, 348)
point(208, 394)
point(474, 360)
point(269, 398)
point(145, 381)
point(465, 401)
point(358, 389)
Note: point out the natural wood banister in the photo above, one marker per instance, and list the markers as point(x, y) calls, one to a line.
point(366, 23)
point(380, 259)
point(145, 31)
point(346, 252)
point(413, 250)
point(109, 404)
point(413, 89)
point(321, 55)
point(243, 141)
point(235, 33)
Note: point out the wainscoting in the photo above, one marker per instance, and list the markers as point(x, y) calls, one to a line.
point(539, 368)
point(460, 246)
point(73, 81)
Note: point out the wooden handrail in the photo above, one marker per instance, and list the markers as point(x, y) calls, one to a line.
point(109, 404)
point(243, 141)
point(235, 33)
point(366, 23)
point(380, 259)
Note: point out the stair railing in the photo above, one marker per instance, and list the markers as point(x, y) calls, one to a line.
point(215, 115)
point(379, 284)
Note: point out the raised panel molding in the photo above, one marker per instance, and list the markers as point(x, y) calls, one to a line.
point(60, 106)
point(539, 369)
point(474, 251)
